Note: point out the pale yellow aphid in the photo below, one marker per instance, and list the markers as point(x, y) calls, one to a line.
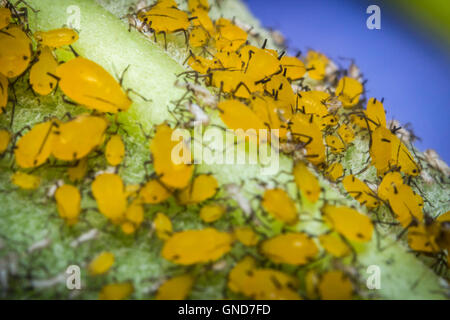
point(197, 246)
point(176, 288)
point(56, 38)
point(115, 150)
point(348, 222)
point(278, 203)
point(163, 226)
point(335, 285)
point(307, 182)
point(108, 191)
point(212, 212)
point(78, 172)
point(101, 264)
point(334, 245)
point(348, 91)
point(203, 187)
point(290, 248)
point(25, 181)
point(116, 291)
point(153, 192)
point(68, 200)
point(246, 236)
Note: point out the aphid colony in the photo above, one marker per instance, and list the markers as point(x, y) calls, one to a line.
point(250, 88)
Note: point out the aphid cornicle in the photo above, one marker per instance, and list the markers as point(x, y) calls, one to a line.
point(40, 80)
point(56, 38)
point(15, 52)
point(88, 84)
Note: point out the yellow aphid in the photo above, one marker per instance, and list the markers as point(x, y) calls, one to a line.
point(445, 217)
point(359, 119)
point(135, 213)
point(75, 139)
point(390, 181)
point(304, 130)
point(237, 115)
point(204, 21)
point(5, 137)
point(3, 92)
point(176, 288)
point(5, 17)
point(334, 171)
point(281, 90)
point(375, 113)
point(406, 204)
point(116, 291)
point(388, 151)
point(34, 148)
point(422, 241)
point(228, 60)
point(15, 53)
point(56, 38)
point(164, 152)
point(101, 263)
point(153, 192)
point(200, 64)
point(88, 84)
point(78, 172)
point(68, 200)
point(237, 277)
point(128, 227)
point(40, 80)
point(203, 187)
point(198, 5)
point(346, 133)
point(246, 236)
point(229, 37)
point(290, 248)
point(360, 191)
point(293, 68)
point(212, 212)
point(278, 203)
point(266, 110)
point(165, 4)
point(115, 150)
point(108, 191)
point(348, 91)
point(165, 20)
point(316, 65)
point(259, 63)
point(131, 190)
point(307, 182)
point(196, 246)
point(335, 144)
point(313, 102)
point(335, 285)
point(163, 226)
point(348, 222)
point(269, 284)
point(25, 181)
point(334, 245)
point(198, 37)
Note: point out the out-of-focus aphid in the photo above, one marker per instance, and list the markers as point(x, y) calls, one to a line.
point(68, 200)
point(291, 248)
point(278, 204)
point(176, 288)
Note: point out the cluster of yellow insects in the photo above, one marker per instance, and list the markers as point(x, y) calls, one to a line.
point(252, 88)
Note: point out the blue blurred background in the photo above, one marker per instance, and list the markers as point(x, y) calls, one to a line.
point(407, 62)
